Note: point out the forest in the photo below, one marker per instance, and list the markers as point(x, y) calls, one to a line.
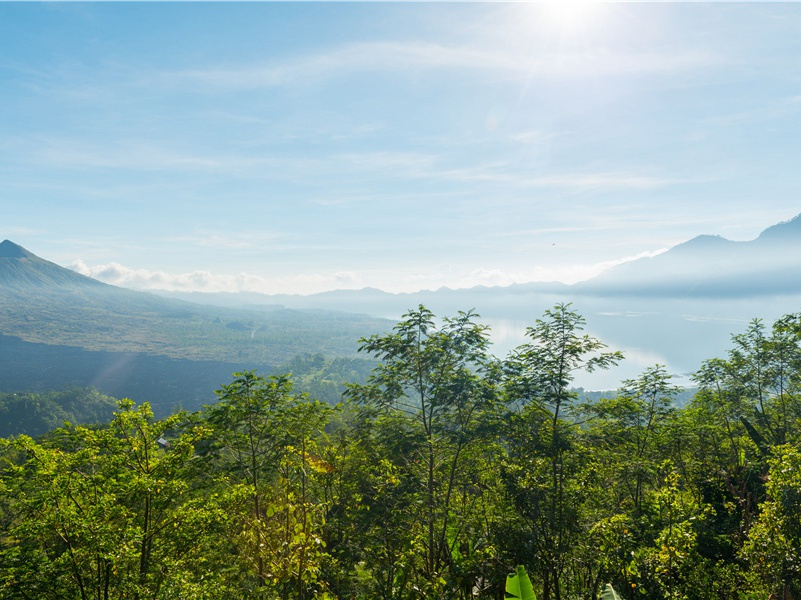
point(438, 474)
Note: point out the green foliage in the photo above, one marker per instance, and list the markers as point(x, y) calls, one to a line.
point(326, 378)
point(546, 469)
point(35, 414)
point(632, 428)
point(773, 548)
point(439, 384)
point(518, 585)
point(442, 467)
point(106, 512)
point(265, 440)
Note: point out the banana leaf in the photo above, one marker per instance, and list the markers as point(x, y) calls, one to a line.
point(609, 593)
point(518, 585)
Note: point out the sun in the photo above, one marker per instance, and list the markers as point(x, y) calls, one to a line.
point(568, 23)
point(572, 16)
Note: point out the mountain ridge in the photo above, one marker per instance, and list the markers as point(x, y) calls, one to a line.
point(9, 249)
point(676, 308)
point(712, 266)
point(20, 268)
point(64, 329)
point(706, 265)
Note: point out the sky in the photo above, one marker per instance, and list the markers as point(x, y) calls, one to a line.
point(302, 147)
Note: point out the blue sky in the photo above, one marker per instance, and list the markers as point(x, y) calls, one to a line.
point(311, 146)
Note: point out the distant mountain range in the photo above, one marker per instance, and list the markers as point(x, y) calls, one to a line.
point(677, 308)
point(707, 266)
point(59, 328)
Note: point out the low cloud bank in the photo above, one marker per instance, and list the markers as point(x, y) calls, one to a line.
point(206, 281)
point(309, 283)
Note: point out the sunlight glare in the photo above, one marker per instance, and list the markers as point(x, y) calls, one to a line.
point(571, 17)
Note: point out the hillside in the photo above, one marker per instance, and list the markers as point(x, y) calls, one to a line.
point(42, 302)
point(22, 270)
point(74, 330)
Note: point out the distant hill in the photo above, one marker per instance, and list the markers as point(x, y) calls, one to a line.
point(707, 266)
point(36, 414)
point(712, 266)
point(677, 309)
point(61, 328)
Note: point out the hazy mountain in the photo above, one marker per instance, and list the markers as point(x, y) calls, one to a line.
point(678, 308)
point(59, 328)
point(712, 266)
point(371, 301)
point(707, 266)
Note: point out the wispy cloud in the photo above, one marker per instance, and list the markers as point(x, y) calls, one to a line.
point(418, 56)
point(232, 240)
point(206, 281)
point(504, 172)
point(371, 56)
point(565, 273)
point(154, 156)
point(158, 156)
point(457, 278)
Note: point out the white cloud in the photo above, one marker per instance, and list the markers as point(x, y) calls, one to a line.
point(377, 56)
point(309, 283)
point(565, 274)
point(205, 281)
point(150, 155)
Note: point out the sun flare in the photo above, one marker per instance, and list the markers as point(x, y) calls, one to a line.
point(571, 16)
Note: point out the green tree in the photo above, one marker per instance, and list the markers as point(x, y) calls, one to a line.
point(264, 440)
point(773, 548)
point(441, 383)
point(107, 513)
point(629, 427)
point(753, 398)
point(545, 469)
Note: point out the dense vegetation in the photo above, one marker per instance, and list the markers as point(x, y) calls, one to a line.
point(126, 321)
point(37, 413)
point(169, 383)
point(433, 478)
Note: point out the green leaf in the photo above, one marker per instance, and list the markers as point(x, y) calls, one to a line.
point(518, 585)
point(609, 593)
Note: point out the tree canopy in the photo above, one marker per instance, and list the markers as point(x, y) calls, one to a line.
point(443, 471)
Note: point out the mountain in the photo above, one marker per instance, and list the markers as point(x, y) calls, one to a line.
point(677, 309)
point(707, 266)
point(787, 231)
point(20, 269)
point(711, 266)
point(59, 328)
